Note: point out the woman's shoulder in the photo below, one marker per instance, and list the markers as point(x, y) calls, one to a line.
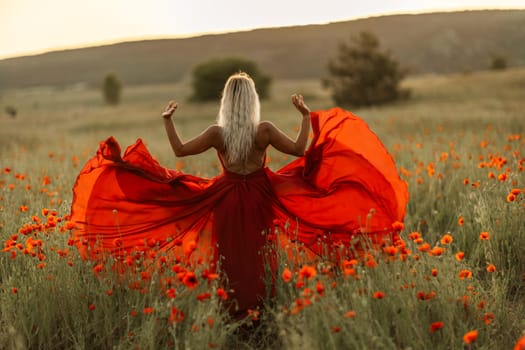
point(265, 126)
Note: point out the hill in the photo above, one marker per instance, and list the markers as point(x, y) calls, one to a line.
point(424, 43)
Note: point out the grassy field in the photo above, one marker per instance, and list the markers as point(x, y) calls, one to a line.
point(456, 281)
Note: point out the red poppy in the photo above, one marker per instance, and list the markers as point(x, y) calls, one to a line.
point(491, 268)
point(221, 293)
point(307, 272)
point(470, 337)
point(176, 315)
point(434, 326)
point(379, 295)
point(190, 280)
point(286, 275)
point(447, 239)
point(148, 310)
point(203, 296)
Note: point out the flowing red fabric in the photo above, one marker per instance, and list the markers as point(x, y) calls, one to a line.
point(345, 186)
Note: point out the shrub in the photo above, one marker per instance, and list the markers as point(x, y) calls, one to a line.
point(209, 77)
point(363, 75)
point(112, 88)
point(498, 63)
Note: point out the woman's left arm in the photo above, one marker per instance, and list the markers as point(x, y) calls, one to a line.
point(207, 139)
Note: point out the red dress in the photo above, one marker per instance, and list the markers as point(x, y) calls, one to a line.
point(132, 203)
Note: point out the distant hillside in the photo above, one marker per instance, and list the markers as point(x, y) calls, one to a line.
point(438, 42)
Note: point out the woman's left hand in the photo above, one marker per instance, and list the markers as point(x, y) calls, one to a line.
point(170, 109)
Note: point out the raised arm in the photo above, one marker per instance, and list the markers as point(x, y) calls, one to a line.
point(285, 144)
point(207, 139)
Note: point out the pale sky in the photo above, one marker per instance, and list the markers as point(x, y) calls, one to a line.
point(35, 26)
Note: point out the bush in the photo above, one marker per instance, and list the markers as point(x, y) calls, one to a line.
point(498, 63)
point(363, 75)
point(209, 77)
point(111, 89)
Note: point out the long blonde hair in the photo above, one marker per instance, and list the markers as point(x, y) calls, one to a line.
point(239, 116)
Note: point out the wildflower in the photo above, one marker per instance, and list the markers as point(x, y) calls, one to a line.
point(515, 191)
point(319, 287)
point(437, 251)
point(170, 293)
point(379, 295)
point(307, 272)
point(424, 247)
point(484, 236)
point(488, 317)
point(286, 275)
point(434, 272)
point(307, 293)
point(98, 268)
point(511, 197)
point(349, 314)
point(190, 280)
point(92, 307)
point(133, 313)
point(148, 310)
point(253, 314)
point(210, 321)
point(414, 235)
point(14, 290)
point(390, 250)
point(502, 177)
point(470, 337)
point(520, 345)
point(221, 293)
point(370, 262)
point(460, 256)
point(491, 268)
point(461, 221)
point(481, 305)
point(465, 274)
point(465, 181)
point(203, 296)
point(109, 292)
point(434, 326)
point(447, 239)
point(206, 274)
point(24, 208)
point(398, 226)
point(336, 329)
point(176, 315)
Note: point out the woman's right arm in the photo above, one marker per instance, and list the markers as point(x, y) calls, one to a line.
point(285, 144)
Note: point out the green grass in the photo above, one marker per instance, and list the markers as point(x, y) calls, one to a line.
point(453, 122)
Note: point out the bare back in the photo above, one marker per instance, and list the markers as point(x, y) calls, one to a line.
point(256, 157)
point(267, 134)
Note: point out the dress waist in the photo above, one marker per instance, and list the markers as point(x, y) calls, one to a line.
point(261, 172)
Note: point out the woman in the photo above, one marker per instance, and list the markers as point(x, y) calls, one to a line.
point(344, 186)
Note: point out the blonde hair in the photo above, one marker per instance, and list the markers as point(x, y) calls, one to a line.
point(239, 116)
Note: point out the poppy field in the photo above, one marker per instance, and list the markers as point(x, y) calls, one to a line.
point(455, 279)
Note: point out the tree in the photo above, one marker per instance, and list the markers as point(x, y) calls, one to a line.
point(363, 75)
point(112, 88)
point(209, 77)
point(498, 63)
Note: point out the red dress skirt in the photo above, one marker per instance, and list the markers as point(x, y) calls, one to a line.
point(345, 186)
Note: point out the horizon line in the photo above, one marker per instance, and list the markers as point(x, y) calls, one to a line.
point(153, 37)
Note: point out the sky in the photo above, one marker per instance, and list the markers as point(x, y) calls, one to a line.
point(36, 26)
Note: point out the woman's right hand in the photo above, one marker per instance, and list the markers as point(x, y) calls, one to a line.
point(298, 102)
point(170, 109)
